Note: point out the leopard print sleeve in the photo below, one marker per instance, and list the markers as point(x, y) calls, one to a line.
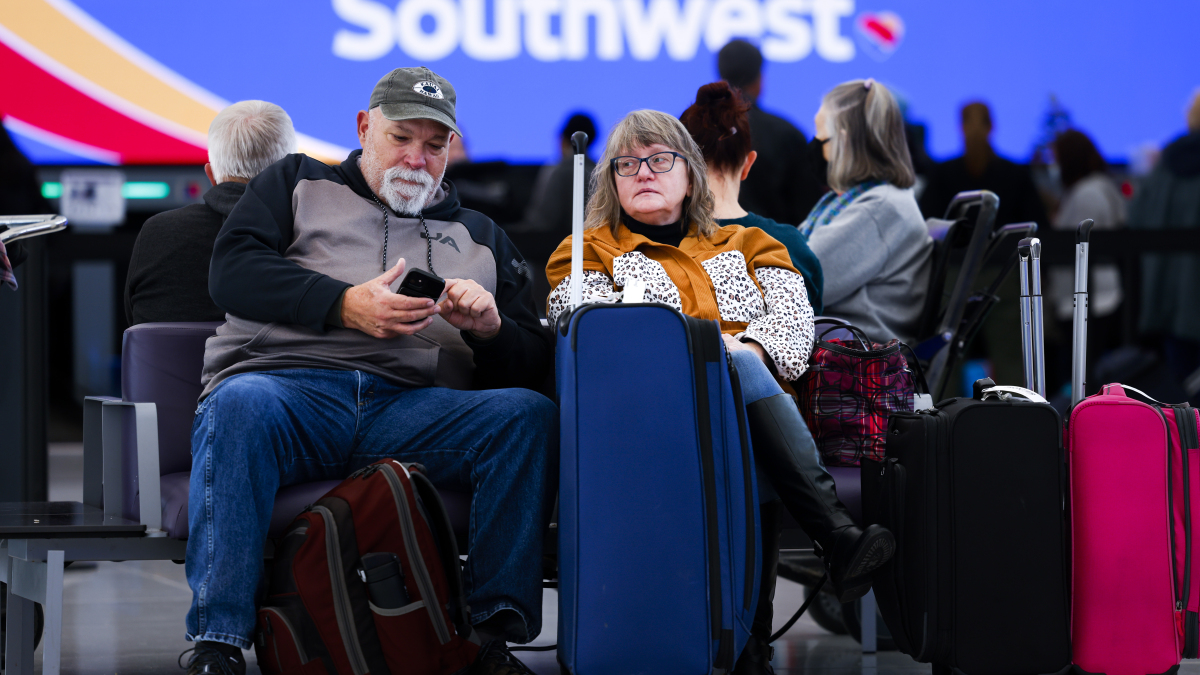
point(786, 330)
point(595, 285)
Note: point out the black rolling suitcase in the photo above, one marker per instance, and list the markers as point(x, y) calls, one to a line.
point(974, 492)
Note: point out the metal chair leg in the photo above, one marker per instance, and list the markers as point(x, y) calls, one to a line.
point(868, 622)
point(18, 650)
point(52, 650)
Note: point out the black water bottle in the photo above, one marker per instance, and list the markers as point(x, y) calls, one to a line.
point(385, 580)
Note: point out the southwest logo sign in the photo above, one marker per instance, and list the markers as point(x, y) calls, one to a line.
point(879, 33)
point(608, 30)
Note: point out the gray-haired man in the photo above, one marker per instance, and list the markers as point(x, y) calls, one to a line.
point(168, 271)
point(322, 368)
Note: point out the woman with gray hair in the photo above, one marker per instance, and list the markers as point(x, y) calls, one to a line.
point(868, 232)
point(650, 231)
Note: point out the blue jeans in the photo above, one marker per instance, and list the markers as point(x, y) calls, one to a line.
point(758, 383)
point(258, 432)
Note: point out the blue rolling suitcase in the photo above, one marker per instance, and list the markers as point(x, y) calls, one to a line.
point(659, 537)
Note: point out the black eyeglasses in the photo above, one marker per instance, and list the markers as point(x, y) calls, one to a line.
point(659, 162)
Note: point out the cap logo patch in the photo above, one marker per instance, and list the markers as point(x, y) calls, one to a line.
point(428, 88)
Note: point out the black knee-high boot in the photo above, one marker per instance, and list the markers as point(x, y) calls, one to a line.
point(807, 490)
point(756, 658)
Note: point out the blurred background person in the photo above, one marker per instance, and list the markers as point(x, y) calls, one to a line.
point(1169, 198)
point(980, 168)
point(719, 124)
point(549, 208)
point(457, 151)
point(547, 215)
point(784, 188)
point(1088, 192)
point(868, 233)
point(168, 270)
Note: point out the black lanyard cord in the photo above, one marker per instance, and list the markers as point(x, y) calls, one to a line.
point(428, 241)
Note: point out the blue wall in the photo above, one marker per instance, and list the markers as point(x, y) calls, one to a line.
point(1123, 70)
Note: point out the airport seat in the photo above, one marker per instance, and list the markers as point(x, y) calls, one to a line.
point(161, 364)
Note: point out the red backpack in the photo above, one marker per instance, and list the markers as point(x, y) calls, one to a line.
point(368, 580)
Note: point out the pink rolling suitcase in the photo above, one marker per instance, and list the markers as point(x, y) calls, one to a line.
point(1133, 464)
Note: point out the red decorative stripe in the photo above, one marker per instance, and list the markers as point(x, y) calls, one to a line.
point(37, 97)
point(881, 30)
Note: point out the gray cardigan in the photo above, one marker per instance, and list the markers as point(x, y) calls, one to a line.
point(875, 255)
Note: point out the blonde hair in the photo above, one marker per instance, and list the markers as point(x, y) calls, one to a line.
point(642, 128)
point(866, 136)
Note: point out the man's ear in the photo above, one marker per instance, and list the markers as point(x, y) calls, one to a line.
point(208, 171)
point(364, 123)
point(748, 163)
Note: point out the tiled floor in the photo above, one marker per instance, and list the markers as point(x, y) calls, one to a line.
point(127, 618)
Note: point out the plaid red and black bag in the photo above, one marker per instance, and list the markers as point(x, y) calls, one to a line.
point(851, 387)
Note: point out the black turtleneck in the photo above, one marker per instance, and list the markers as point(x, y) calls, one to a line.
point(669, 235)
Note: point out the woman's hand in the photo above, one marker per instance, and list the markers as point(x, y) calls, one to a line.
point(732, 344)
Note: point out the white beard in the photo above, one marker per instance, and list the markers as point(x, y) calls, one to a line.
point(404, 198)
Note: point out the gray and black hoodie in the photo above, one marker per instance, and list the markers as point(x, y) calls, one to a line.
point(304, 232)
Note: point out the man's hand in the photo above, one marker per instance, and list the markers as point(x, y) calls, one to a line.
point(375, 310)
point(471, 308)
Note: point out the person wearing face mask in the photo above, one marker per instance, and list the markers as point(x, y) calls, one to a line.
point(868, 233)
point(650, 219)
point(720, 124)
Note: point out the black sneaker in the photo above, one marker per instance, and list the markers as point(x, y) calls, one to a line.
point(214, 658)
point(495, 659)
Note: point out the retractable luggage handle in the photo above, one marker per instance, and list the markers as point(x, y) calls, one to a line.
point(579, 141)
point(1032, 332)
point(1003, 391)
point(1080, 301)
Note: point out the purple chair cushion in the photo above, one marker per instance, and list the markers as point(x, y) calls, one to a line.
point(288, 504)
point(161, 364)
point(849, 488)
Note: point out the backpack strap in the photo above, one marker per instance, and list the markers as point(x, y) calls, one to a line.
point(447, 545)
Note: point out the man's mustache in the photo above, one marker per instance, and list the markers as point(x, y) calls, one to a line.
point(422, 177)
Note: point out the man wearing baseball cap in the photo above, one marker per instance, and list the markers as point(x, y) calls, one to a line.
point(322, 368)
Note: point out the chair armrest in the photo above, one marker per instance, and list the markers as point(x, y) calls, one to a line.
point(146, 441)
point(93, 452)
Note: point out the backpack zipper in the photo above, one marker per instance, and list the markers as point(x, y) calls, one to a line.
point(747, 466)
point(1171, 514)
point(415, 561)
point(341, 597)
point(287, 625)
point(1185, 419)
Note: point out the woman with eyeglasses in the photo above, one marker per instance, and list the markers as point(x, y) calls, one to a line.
point(868, 232)
point(650, 219)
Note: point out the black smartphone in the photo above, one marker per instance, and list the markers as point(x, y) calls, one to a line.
point(418, 283)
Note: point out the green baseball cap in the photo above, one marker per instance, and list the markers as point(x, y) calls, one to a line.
point(415, 94)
